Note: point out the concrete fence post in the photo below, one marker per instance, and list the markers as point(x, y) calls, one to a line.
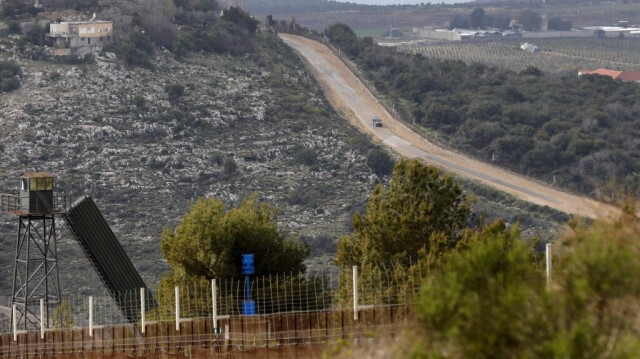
point(355, 292)
point(91, 316)
point(142, 309)
point(14, 317)
point(214, 305)
point(42, 318)
point(549, 263)
point(177, 290)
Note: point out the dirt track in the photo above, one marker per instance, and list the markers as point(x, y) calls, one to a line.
point(350, 97)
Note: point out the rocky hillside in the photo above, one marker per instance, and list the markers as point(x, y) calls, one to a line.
point(144, 150)
point(147, 143)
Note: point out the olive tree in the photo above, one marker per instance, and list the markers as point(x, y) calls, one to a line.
point(210, 240)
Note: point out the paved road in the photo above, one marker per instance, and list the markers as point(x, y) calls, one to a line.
point(350, 97)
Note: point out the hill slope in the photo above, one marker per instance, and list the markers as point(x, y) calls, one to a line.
point(113, 133)
point(144, 152)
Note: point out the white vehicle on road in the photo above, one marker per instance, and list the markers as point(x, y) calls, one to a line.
point(377, 121)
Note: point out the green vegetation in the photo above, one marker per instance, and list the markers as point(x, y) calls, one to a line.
point(62, 317)
point(233, 33)
point(9, 76)
point(174, 91)
point(380, 162)
point(209, 241)
point(556, 55)
point(489, 300)
point(478, 19)
point(530, 20)
point(229, 166)
point(181, 27)
point(422, 215)
point(512, 119)
point(305, 156)
point(136, 50)
point(486, 295)
point(489, 286)
point(14, 8)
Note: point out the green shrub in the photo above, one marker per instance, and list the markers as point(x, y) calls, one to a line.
point(229, 166)
point(9, 84)
point(380, 162)
point(9, 70)
point(136, 50)
point(175, 91)
point(54, 76)
point(305, 156)
point(241, 18)
point(14, 27)
point(139, 101)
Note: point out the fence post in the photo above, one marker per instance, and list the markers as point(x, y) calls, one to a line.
point(177, 291)
point(14, 316)
point(142, 308)
point(90, 316)
point(42, 319)
point(549, 263)
point(214, 305)
point(355, 292)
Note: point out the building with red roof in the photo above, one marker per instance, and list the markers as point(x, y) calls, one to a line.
point(617, 75)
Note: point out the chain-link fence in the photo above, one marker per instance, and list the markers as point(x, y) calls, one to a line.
point(378, 286)
point(221, 317)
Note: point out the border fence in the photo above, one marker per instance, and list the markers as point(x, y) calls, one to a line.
point(208, 319)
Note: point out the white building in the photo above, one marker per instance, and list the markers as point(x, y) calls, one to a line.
point(81, 37)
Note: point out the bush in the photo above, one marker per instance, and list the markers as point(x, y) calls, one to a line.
point(137, 50)
point(241, 18)
point(14, 27)
point(229, 166)
point(343, 36)
point(380, 162)
point(9, 84)
point(227, 37)
point(37, 35)
point(9, 76)
point(139, 101)
point(306, 156)
point(175, 91)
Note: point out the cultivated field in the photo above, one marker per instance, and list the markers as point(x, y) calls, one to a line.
point(556, 55)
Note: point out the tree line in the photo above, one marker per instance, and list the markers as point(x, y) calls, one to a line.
point(527, 19)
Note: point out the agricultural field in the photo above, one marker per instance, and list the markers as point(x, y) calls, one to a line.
point(555, 56)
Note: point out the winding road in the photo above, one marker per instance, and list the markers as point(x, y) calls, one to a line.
point(349, 96)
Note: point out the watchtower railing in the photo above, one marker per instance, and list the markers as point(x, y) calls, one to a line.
point(10, 203)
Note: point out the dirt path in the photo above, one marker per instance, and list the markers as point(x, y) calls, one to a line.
point(351, 98)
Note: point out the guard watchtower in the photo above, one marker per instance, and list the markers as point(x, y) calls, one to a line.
point(36, 284)
point(36, 193)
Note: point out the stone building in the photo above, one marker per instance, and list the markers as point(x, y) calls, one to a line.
point(80, 37)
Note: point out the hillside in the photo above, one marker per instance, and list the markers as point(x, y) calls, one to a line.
point(145, 164)
point(254, 123)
